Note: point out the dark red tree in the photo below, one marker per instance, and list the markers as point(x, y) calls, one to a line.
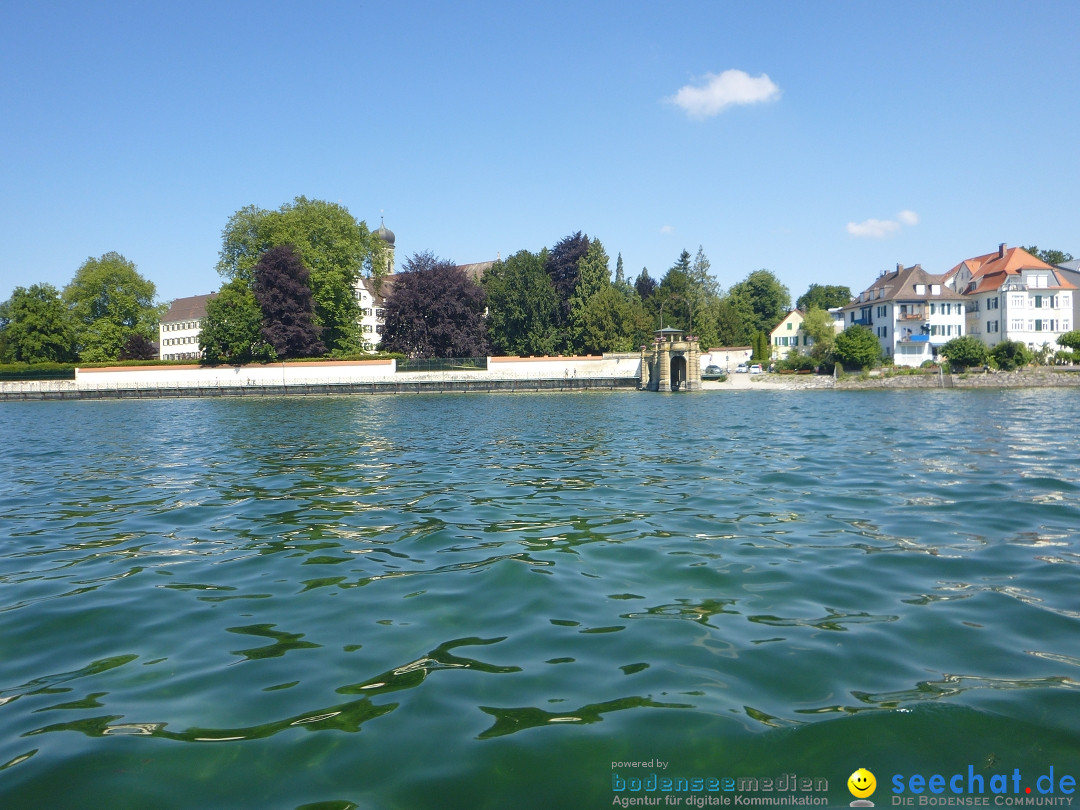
point(562, 267)
point(435, 310)
point(137, 347)
point(282, 288)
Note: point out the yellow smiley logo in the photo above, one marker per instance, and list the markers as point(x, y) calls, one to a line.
point(862, 783)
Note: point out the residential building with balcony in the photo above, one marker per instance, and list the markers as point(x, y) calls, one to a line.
point(1011, 295)
point(913, 313)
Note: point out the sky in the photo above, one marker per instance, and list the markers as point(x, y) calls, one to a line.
point(824, 141)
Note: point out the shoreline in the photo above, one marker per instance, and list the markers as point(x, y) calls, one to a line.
point(52, 390)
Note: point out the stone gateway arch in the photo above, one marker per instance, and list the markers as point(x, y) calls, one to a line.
point(673, 365)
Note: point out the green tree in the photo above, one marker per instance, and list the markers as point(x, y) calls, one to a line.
point(333, 245)
point(857, 346)
point(732, 324)
point(1070, 340)
point(762, 300)
point(965, 352)
point(612, 321)
point(1050, 256)
point(824, 296)
point(1011, 354)
point(761, 349)
point(231, 332)
point(109, 301)
point(522, 306)
point(593, 277)
point(36, 327)
point(818, 326)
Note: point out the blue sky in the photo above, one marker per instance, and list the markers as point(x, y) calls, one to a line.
point(825, 141)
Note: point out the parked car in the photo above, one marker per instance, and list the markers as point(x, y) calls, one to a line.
point(756, 368)
point(710, 370)
point(742, 368)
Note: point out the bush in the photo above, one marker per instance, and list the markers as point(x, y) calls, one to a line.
point(1011, 354)
point(965, 352)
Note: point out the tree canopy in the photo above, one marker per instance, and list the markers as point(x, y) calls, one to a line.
point(231, 332)
point(333, 245)
point(284, 296)
point(522, 305)
point(1050, 256)
point(1011, 354)
point(857, 346)
point(966, 351)
point(762, 300)
point(109, 301)
point(35, 326)
point(435, 310)
point(824, 296)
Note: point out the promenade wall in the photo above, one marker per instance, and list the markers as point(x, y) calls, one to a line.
point(333, 377)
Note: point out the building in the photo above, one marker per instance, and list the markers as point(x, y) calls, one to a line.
point(912, 312)
point(371, 303)
point(178, 332)
point(1011, 295)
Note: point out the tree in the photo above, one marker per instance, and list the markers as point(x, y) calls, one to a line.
point(761, 351)
point(645, 285)
point(522, 306)
point(282, 290)
point(593, 277)
point(332, 244)
point(620, 277)
point(1050, 256)
point(732, 326)
point(965, 352)
point(762, 299)
point(1070, 340)
point(231, 331)
point(824, 296)
point(36, 327)
point(818, 326)
point(1010, 354)
point(435, 310)
point(612, 321)
point(109, 301)
point(857, 346)
point(562, 267)
point(138, 347)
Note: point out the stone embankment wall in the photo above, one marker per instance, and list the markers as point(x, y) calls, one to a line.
point(1028, 378)
point(333, 377)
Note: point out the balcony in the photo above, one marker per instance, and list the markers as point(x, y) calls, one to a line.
point(911, 316)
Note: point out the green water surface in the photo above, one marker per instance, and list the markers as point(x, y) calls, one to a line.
point(484, 601)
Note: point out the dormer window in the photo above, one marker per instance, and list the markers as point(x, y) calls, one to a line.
point(920, 289)
point(935, 289)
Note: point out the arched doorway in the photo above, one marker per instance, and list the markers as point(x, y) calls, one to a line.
point(678, 372)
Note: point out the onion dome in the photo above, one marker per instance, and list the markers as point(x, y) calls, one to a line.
point(385, 233)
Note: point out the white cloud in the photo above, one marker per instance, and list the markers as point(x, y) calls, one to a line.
point(667, 229)
point(880, 228)
point(732, 87)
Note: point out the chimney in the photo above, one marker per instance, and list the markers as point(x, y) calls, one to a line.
point(899, 267)
point(1001, 250)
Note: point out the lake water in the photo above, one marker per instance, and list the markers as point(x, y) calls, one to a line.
point(498, 601)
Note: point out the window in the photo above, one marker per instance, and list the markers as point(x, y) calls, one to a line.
point(992, 303)
point(920, 289)
point(935, 289)
point(1038, 302)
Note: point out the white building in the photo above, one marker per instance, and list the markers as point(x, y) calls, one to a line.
point(1014, 296)
point(912, 312)
point(178, 332)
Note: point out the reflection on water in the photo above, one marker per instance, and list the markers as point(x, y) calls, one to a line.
point(482, 582)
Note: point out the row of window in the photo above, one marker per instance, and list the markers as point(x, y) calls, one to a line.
point(179, 341)
point(379, 312)
point(791, 341)
point(181, 356)
point(180, 326)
